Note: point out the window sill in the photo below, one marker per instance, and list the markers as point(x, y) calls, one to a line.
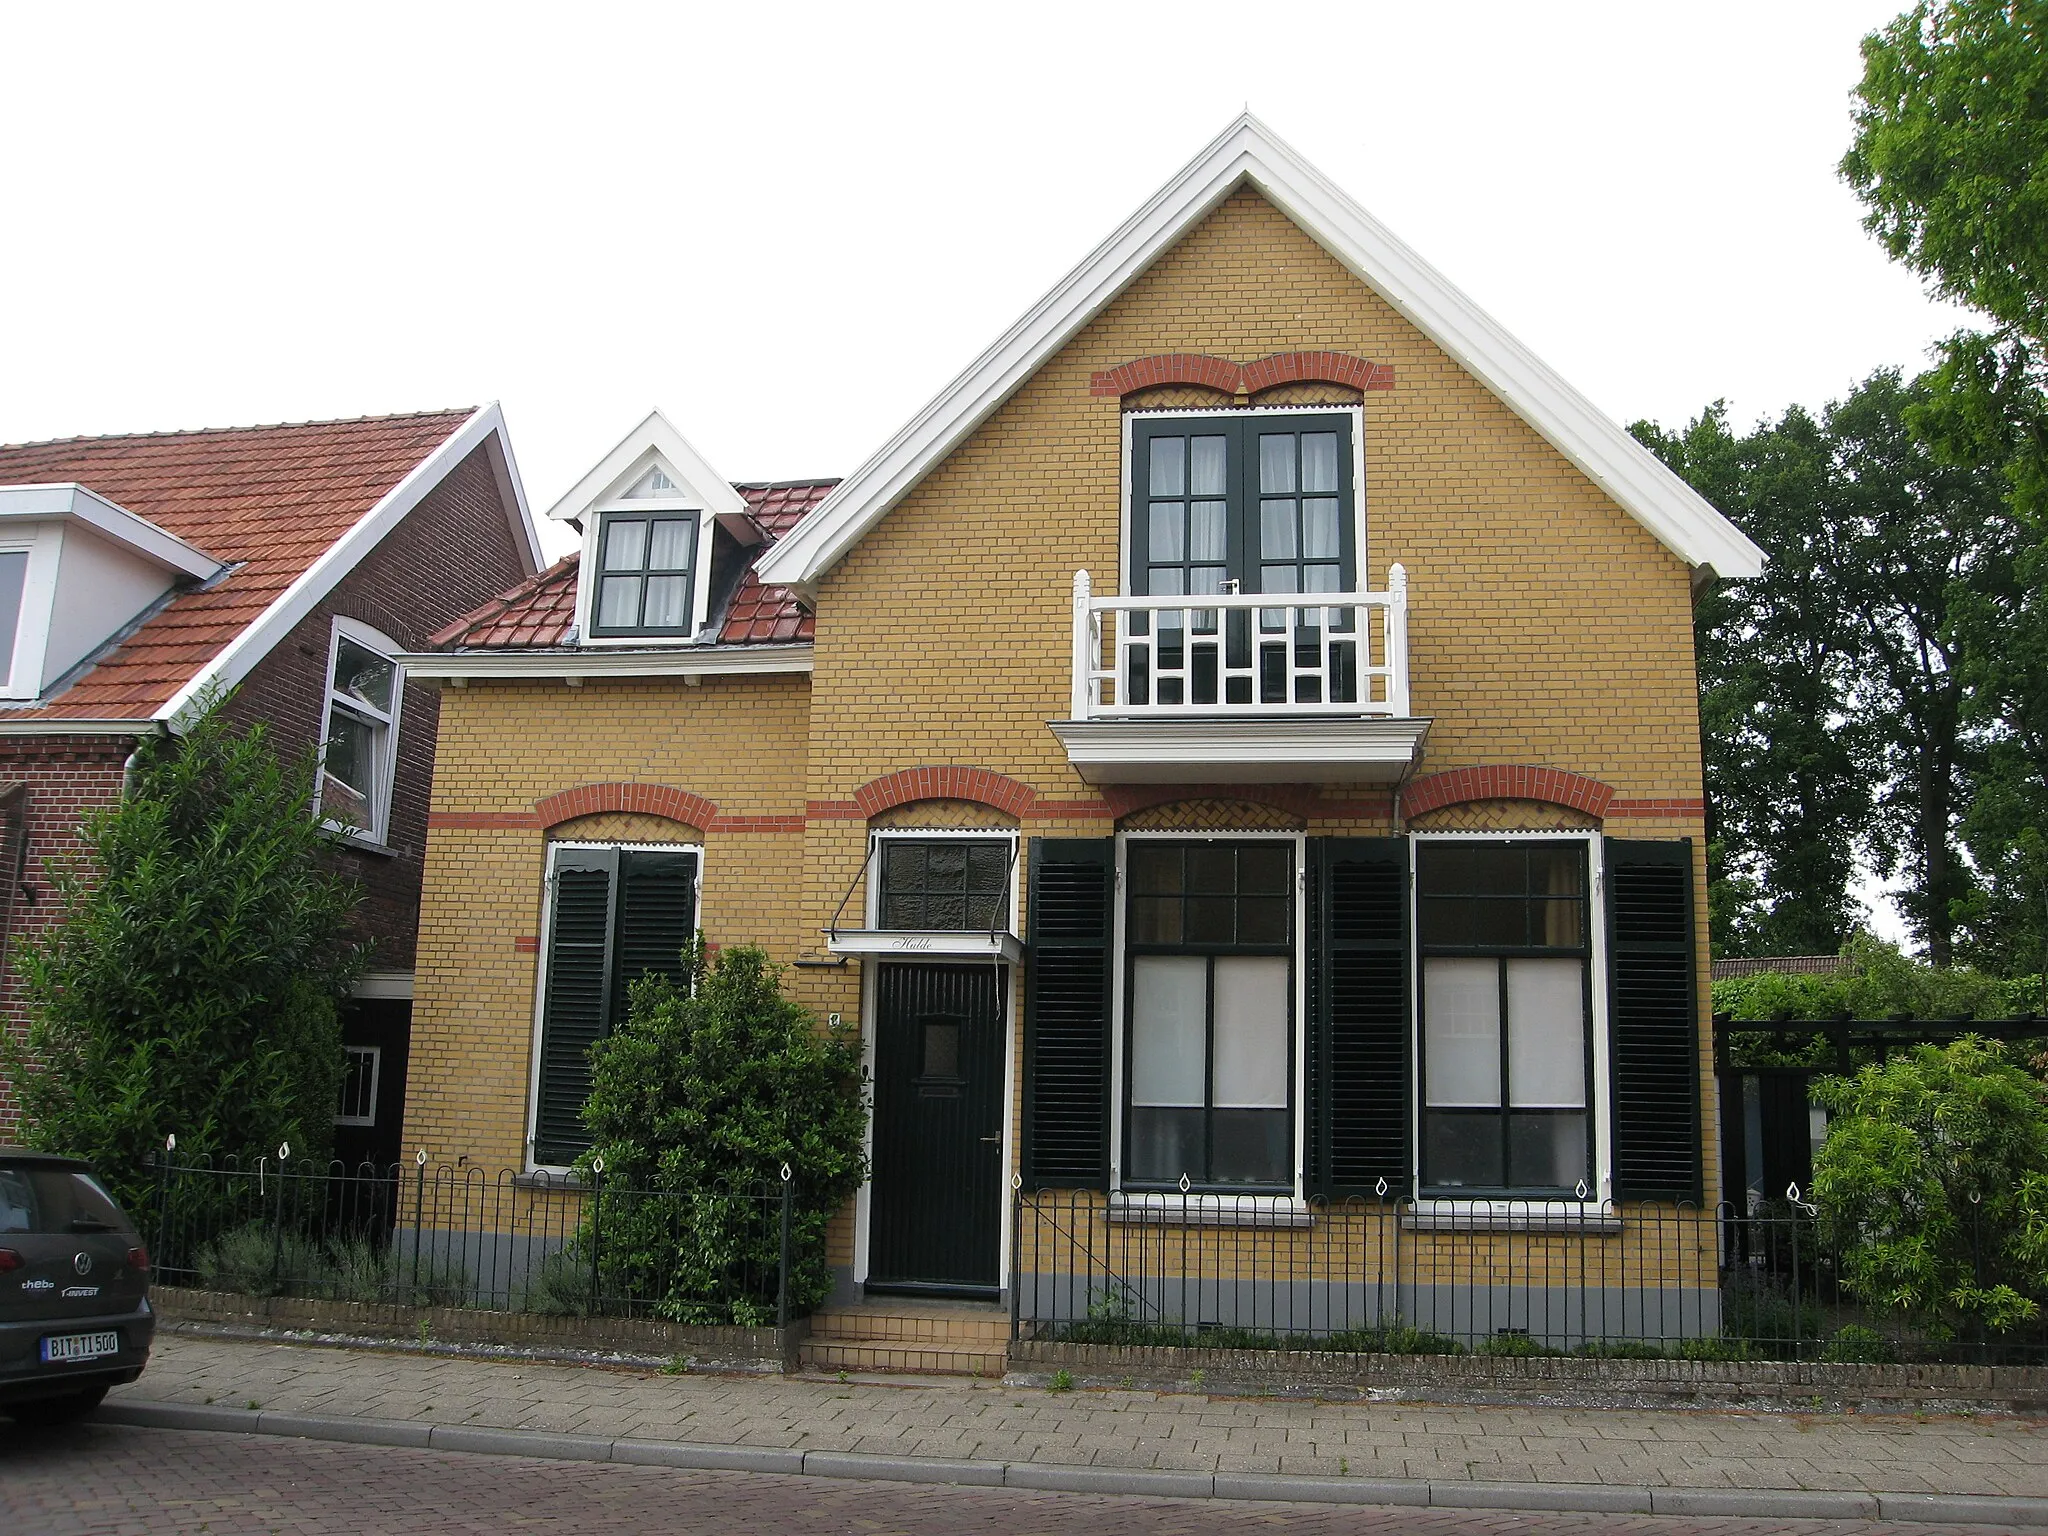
point(1143, 1208)
point(544, 1179)
point(356, 842)
point(1506, 1215)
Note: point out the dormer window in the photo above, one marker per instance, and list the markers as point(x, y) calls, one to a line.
point(359, 738)
point(646, 571)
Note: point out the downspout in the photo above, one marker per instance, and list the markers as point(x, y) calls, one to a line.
point(129, 767)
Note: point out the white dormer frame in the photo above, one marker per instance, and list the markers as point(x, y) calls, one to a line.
point(699, 489)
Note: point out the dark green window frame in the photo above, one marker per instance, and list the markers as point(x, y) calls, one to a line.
point(1198, 921)
point(1243, 497)
point(1534, 903)
point(636, 579)
point(944, 884)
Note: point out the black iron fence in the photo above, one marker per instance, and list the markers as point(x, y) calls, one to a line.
point(411, 1235)
point(1493, 1278)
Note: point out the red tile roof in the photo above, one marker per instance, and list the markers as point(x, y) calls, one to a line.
point(541, 612)
point(267, 500)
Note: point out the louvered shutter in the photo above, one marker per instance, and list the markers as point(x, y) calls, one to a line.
point(1652, 1020)
point(1067, 1025)
point(575, 1006)
point(1358, 1048)
point(657, 919)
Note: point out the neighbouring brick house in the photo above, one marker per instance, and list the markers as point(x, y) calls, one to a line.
point(141, 574)
point(1202, 906)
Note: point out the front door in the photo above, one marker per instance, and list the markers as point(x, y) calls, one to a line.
point(935, 1204)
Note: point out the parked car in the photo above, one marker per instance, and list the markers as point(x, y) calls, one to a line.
point(75, 1317)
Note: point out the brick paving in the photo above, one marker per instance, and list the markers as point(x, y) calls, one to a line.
point(994, 1422)
point(103, 1480)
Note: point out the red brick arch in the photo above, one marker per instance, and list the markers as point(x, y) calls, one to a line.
point(944, 782)
point(1507, 781)
point(640, 799)
point(1220, 373)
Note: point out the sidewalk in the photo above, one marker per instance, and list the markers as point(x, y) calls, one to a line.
point(1703, 1462)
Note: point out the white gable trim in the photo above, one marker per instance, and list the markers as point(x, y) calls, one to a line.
point(652, 436)
point(240, 655)
point(1249, 153)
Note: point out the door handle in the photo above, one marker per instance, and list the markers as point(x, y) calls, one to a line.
point(991, 1138)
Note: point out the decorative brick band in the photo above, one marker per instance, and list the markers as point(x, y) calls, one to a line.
point(1672, 808)
point(640, 799)
point(1507, 781)
point(980, 785)
point(1297, 800)
point(518, 821)
point(1247, 378)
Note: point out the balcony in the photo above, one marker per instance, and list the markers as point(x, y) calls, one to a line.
point(1262, 688)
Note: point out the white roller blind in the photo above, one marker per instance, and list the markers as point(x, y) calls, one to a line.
point(1461, 1032)
point(1251, 1032)
point(1546, 1034)
point(1169, 1002)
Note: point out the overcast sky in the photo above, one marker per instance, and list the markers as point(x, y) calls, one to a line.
point(789, 227)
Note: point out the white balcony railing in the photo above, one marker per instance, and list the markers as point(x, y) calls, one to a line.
point(1257, 656)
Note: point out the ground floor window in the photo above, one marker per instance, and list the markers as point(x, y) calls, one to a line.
point(1506, 1016)
point(1210, 1044)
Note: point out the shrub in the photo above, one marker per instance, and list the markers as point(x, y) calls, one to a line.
point(558, 1286)
point(1858, 1345)
point(254, 1260)
point(1932, 1185)
point(192, 980)
point(696, 1103)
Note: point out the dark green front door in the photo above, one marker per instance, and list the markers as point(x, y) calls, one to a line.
point(936, 1203)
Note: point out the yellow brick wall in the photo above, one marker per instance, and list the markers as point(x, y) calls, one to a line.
point(504, 746)
point(1546, 627)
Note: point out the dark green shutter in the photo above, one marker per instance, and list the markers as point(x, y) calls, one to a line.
point(575, 1009)
point(1067, 1025)
point(1653, 1020)
point(657, 919)
point(615, 915)
point(1358, 1047)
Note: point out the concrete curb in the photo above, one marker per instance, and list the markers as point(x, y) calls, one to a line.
point(1587, 1498)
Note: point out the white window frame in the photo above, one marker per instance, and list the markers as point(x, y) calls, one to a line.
point(1358, 519)
point(872, 907)
point(540, 975)
point(376, 1055)
point(684, 500)
point(1253, 1208)
point(376, 641)
point(1512, 1209)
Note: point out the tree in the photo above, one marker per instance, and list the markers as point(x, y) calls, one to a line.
point(703, 1095)
point(1788, 787)
point(1932, 1185)
point(1950, 157)
point(192, 983)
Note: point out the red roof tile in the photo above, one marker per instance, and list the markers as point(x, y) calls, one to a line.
point(541, 612)
point(268, 500)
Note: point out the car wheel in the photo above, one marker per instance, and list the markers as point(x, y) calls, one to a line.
point(62, 1410)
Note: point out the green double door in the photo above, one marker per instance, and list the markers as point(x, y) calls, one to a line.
point(936, 1199)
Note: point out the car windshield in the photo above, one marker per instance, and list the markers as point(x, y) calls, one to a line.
point(37, 1198)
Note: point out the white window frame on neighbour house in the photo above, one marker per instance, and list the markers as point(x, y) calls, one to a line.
point(372, 1056)
point(1257, 1204)
point(1509, 1205)
point(383, 724)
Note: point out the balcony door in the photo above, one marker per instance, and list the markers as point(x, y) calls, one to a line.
point(1244, 503)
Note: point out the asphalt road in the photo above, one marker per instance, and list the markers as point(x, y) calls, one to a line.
point(104, 1479)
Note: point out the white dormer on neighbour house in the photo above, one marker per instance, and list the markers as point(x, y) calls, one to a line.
point(76, 571)
point(648, 512)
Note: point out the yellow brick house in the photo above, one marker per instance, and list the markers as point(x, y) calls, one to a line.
point(1235, 751)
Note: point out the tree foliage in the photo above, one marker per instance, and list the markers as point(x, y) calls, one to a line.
point(1835, 705)
point(192, 983)
point(1932, 1185)
point(712, 1090)
point(1950, 157)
